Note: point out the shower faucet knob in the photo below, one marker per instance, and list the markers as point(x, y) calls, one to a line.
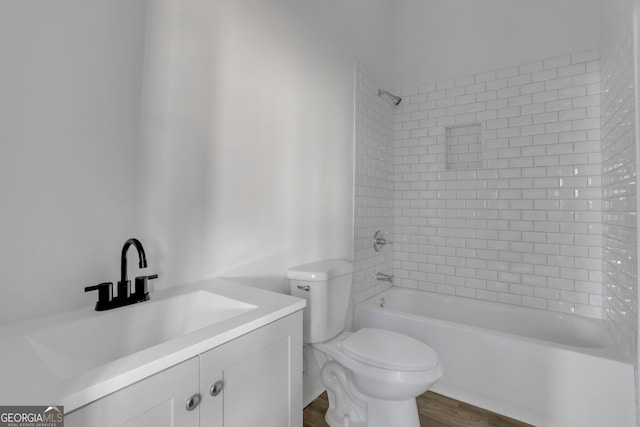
point(379, 241)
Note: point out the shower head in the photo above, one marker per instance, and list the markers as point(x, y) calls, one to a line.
point(396, 99)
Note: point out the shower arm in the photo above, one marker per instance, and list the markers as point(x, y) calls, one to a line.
point(394, 98)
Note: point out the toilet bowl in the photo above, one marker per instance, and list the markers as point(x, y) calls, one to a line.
point(372, 376)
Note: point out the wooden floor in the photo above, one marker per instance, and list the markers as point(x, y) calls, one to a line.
point(435, 411)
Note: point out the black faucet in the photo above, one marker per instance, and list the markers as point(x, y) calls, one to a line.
point(106, 300)
point(124, 285)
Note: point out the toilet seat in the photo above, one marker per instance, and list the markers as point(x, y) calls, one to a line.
point(385, 383)
point(389, 350)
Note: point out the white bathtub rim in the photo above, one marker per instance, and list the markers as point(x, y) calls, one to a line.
point(610, 352)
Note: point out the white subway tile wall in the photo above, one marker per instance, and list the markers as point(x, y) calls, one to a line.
point(463, 146)
point(373, 186)
point(521, 223)
point(620, 275)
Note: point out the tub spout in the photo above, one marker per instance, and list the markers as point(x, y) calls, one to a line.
point(384, 277)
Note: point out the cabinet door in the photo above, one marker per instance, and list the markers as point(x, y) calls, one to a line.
point(261, 374)
point(157, 401)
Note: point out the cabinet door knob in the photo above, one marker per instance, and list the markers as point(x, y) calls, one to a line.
point(192, 402)
point(216, 388)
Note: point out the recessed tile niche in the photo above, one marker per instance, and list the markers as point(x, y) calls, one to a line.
point(464, 146)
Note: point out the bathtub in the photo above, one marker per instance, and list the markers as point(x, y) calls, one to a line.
point(543, 368)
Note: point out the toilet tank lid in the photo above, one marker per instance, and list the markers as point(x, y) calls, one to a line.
point(320, 270)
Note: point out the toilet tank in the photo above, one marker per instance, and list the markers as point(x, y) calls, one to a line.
point(326, 285)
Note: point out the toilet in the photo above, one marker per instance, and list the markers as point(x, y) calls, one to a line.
point(372, 376)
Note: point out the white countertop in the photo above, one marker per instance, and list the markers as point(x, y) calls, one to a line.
point(25, 378)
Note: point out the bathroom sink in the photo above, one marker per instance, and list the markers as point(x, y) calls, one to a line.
point(78, 356)
point(81, 344)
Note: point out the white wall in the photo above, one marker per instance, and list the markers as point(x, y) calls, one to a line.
point(248, 148)
point(619, 171)
point(619, 160)
point(69, 127)
point(441, 39)
point(245, 162)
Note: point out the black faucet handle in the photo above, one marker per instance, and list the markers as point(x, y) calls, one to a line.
point(101, 288)
point(141, 291)
point(105, 294)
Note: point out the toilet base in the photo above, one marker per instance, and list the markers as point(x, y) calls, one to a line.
point(348, 407)
point(385, 413)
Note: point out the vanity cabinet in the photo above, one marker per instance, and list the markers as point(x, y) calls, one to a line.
point(157, 401)
point(253, 380)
